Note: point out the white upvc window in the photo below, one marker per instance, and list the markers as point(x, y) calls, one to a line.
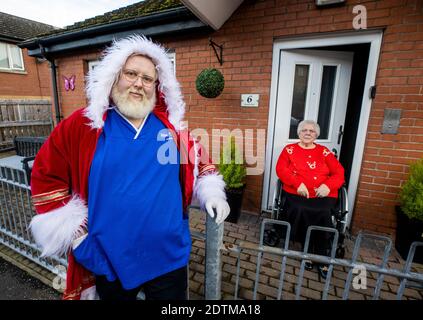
point(11, 57)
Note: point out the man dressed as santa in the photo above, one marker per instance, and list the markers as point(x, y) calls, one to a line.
point(107, 194)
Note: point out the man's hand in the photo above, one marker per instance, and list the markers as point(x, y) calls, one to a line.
point(302, 190)
point(322, 191)
point(222, 209)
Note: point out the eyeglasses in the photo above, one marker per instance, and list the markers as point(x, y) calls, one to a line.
point(308, 130)
point(132, 76)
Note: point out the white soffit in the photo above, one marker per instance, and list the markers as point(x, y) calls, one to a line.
point(214, 13)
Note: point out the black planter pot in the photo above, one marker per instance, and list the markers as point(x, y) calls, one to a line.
point(234, 198)
point(408, 231)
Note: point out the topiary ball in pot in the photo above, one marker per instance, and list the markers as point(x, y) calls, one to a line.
point(210, 83)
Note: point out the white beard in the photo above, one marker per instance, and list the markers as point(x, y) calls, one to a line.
point(133, 109)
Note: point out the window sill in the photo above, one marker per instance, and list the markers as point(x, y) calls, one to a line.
point(13, 71)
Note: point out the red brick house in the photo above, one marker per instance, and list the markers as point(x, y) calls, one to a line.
point(21, 76)
point(355, 66)
point(25, 80)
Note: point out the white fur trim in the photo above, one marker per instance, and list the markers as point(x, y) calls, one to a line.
point(55, 230)
point(90, 294)
point(100, 80)
point(209, 186)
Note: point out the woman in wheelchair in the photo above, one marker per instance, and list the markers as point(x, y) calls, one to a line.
point(311, 176)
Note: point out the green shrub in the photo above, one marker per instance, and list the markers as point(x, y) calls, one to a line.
point(411, 194)
point(232, 166)
point(210, 83)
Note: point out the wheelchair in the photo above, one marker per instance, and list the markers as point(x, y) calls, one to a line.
point(339, 217)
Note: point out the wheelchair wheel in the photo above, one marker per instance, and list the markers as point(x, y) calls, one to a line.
point(271, 238)
point(340, 252)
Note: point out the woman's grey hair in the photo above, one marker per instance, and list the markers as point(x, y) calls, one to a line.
point(312, 122)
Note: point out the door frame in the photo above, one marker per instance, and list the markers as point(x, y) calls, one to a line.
point(374, 38)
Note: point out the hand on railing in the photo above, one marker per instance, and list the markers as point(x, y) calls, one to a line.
point(221, 207)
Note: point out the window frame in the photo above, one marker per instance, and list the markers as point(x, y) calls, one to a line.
point(10, 59)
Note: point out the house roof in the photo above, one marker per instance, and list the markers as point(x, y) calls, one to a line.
point(138, 9)
point(15, 29)
point(151, 18)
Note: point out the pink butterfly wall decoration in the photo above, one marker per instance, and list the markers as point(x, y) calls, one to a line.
point(70, 83)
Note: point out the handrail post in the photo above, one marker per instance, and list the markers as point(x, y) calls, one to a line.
point(213, 274)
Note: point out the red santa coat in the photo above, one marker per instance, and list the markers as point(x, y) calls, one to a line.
point(59, 181)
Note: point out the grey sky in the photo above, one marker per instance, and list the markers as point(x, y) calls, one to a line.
point(61, 13)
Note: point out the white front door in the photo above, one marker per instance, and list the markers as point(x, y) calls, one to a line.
point(312, 85)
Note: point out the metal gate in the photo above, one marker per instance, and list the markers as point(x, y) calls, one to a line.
point(16, 212)
point(406, 276)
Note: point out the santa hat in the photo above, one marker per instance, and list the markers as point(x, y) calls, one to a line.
point(100, 80)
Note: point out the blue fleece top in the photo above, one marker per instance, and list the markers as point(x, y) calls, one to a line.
point(136, 227)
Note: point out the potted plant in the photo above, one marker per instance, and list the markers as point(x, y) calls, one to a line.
point(233, 170)
point(410, 213)
point(210, 83)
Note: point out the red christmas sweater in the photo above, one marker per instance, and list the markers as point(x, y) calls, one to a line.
point(312, 167)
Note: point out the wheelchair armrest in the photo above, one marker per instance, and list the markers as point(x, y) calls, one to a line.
point(342, 201)
point(279, 199)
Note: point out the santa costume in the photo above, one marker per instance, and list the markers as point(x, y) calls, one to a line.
point(79, 182)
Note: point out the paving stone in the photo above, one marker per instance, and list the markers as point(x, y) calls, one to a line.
point(243, 282)
point(287, 286)
point(385, 295)
point(307, 274)
point(194, 286)
point(196, 258)
point(196, 267)
point(319, 286)
point(310, 294)
point(248, 232)
point(353, 295)
point(412, 293)
point(229, 260)
point(237, 235)
point(228, 288)
point(250, 266)
point(249, 295)
point(230, 240)
point(252, 276)
point(231, 269)
point(267, 290)
point(198, 277)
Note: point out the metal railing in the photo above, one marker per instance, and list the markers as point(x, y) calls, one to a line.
point(16, 212)
point(405, 275)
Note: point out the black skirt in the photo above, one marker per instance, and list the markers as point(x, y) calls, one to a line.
point(301, 213)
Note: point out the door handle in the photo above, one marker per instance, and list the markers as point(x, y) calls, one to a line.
point(340, 134)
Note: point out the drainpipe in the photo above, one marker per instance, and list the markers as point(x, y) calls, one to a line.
point(54, 82)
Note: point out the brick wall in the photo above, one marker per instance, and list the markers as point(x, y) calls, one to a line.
point(248, 39)
point(34, 83)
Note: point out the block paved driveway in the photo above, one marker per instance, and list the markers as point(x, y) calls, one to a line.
point(248, 230)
